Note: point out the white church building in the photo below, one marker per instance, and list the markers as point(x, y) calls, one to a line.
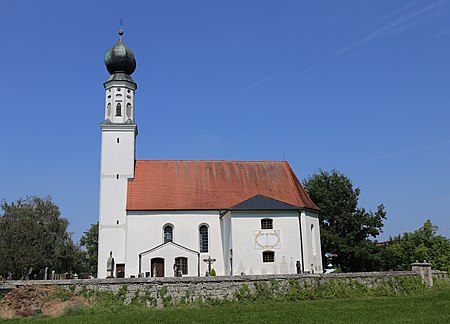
point(165, 218)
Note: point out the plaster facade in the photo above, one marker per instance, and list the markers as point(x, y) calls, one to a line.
point(236, 239)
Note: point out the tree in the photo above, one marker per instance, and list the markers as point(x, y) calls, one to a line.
point(33, 234)
point(345, 228)
point(423, 244)
point(89, 241)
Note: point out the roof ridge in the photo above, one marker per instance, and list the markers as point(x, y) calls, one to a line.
point(175, 160)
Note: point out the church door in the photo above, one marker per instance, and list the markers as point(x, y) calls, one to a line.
point(157, 267)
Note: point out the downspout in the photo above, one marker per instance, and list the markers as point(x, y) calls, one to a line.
point(301, 240)
point(140, 262)
point(198, 264)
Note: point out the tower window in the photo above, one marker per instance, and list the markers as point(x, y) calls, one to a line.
point(118, 140)
point(117, 176)
point(268, 256)
point(313, 240)
point(119, 109)
point(267, 223)
point(128, 110)
point(204, 239)
point(168, 233)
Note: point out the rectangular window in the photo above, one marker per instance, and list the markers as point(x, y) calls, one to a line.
point(118, 140)
point(182, 264)
point(117, 176)
point(268, 256)
point(266, 223)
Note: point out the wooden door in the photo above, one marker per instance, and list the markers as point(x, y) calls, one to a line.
point(120, 270)
point(157, 267)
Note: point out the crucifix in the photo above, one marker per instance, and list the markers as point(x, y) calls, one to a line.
point(209, 261)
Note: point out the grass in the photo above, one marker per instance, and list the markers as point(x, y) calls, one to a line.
point(432, 306)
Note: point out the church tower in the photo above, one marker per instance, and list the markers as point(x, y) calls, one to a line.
point(117, 163)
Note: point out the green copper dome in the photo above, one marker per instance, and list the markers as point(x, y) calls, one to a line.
point(120, 58)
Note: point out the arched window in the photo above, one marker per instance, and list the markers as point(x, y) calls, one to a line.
point(182, 264)
point(119, 109)
point(168, 233)
point(266, 223)
point(204, 240)
point(128, 110)
point(268, 256)
point(108, 109)
point(313, 240)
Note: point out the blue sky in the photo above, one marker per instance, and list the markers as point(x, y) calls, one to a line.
point(359, 86)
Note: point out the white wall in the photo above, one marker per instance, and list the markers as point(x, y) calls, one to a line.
point(248, 255)
point(169, 252)
point(226, 242)
point(119, 92)
point(145, 231)
point(313, 261)
point(116, 167)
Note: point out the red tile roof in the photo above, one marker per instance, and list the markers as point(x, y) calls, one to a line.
point(200, 185)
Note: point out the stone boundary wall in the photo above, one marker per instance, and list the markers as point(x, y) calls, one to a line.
point(158, 291)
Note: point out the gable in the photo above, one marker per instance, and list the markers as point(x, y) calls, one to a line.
point(200, 185)
point(260, 202)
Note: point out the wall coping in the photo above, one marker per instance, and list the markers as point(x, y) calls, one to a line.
point(197, 280)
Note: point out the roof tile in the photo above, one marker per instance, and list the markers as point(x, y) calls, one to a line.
point(200, 185)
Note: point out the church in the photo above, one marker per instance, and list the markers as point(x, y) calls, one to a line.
point(168, 218)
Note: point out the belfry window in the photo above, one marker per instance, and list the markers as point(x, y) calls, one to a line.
point(266, 223)
point(168, 233)
point(119, 109)
point(204, 239)
point(128, 110)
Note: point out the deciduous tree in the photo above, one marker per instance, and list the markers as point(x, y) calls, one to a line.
point(33, 234)
point(345, 228)
point(423, 244)
point(89, 241)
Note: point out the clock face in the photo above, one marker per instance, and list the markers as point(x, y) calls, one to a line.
point(267, 239)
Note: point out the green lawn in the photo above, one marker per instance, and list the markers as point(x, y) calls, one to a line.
point(431, 307)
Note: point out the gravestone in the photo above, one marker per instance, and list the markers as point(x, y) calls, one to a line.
point(241, 269)
point(292, 266)
point(284, 268)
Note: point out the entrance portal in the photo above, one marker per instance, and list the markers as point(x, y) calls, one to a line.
point(157, 267)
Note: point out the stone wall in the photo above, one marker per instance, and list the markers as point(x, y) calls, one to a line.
point(159, 291)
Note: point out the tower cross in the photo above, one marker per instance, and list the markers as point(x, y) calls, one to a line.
point(120, 30)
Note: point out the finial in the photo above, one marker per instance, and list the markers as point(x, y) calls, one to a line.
point(120, 30)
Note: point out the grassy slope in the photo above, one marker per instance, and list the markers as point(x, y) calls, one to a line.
point(431, 307)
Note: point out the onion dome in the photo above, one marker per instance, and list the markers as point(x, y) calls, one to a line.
point(120, 58)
